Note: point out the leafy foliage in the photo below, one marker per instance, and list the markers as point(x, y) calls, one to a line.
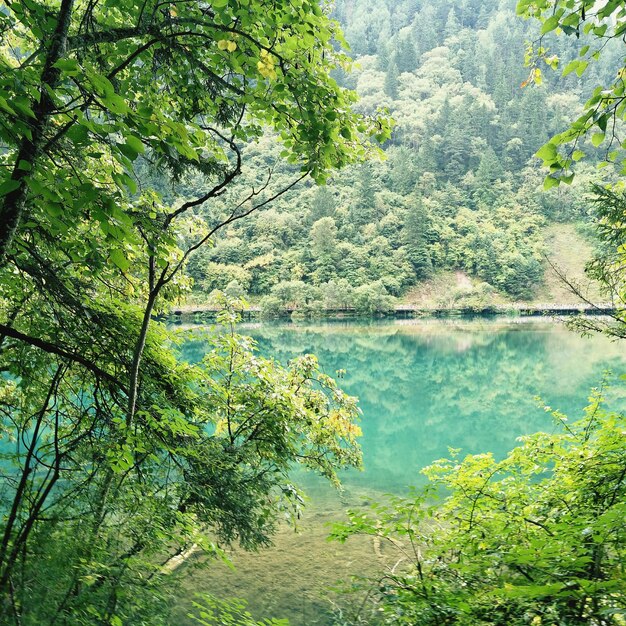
point(113, 455)
point(206, 460)
point(603, 113)
point(459, 189)
point(536, 538)
point(218, 612)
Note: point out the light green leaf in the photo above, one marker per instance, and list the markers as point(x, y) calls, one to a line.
point(119, 259)
point(547, 152)
point(571, 67)
point(550, 24)
point(549, 182)
point(597, 139)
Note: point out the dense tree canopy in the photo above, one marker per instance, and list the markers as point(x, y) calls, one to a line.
point(460, 188)
point(116, 457)
point(87, 83)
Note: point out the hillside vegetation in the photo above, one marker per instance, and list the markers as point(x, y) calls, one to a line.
point(458, 194)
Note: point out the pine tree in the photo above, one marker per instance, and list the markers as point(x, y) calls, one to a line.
point(406, 56)
point(453, 26)
point(416, 227)
point(425, 32)
point(363, 209)
point(391, 80)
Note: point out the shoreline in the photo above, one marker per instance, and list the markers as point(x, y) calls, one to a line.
point(199, 312)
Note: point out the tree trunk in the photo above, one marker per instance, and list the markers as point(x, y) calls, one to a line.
point(12, 207)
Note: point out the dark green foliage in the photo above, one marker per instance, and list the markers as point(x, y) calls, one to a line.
point(464, 141)
point(190, 473)
point(391, 80)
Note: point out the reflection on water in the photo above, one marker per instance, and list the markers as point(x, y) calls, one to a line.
point(425, 386)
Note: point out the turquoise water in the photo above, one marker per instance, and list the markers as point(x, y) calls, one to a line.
point(425, 386)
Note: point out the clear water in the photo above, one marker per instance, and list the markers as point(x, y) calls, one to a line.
point(423, 386)
point(427, 385)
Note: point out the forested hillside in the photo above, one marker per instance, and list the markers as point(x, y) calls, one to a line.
point(459, 189)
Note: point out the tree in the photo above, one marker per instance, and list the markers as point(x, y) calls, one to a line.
point(536, 538)
point(364, 207)
point(602, 118)
point(405, 57)
point(452, 24)
point(116, 463)
point(173, 80)
point(323, 203)
point(606, 107)
point(372, 298)
point(417, 225)
point(186, 466)
point(337, 294)
point(324, 237)
point(391, 79)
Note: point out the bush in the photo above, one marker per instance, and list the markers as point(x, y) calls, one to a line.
point(372, 298)
point(537, 538)
point(271, 306)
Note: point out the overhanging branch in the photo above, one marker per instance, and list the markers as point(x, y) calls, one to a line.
point(50, 348)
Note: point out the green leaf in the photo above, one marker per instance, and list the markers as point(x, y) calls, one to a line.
point(599, 31)
point(128, 151)
point(550, 24)
point(115, 103)
point(549, 182)
point(571, 67)
point(8, 186)
point(547, 152)
point(135, 143)
point(68, 66)
point(78, 134)
point(23, 106)
point(4, 105)
point(573, 19)
point(119, 259)
point(597, 139)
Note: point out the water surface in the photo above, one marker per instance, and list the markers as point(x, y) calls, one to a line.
point(427, 385)
point(424, 386)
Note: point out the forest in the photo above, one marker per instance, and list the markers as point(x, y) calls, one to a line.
point(303, 156)
point(459, 188)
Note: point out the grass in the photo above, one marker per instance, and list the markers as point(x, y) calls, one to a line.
point(568, 251)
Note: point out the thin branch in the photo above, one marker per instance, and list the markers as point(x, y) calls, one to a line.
point(51, 348)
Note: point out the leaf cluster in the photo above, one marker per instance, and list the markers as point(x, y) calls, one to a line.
point(536, 538)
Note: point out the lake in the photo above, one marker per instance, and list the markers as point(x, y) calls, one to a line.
point(424, 386)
